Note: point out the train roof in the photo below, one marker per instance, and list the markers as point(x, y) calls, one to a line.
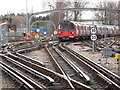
point(76, 23)
point(98, 25)
point(79, 23)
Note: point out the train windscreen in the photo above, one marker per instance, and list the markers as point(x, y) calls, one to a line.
point(67, 26)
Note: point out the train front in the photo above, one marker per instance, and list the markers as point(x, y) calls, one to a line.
point(66, 30)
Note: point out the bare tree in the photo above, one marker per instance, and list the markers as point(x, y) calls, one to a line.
point(118, 14)
point(78, 4)
point(58, 17)
point(76, 15)
point(105, 16)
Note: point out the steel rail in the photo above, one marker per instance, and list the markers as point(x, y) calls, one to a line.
point(23, 56)
point(61, 71)
point(56, 76)
point(111, 77)
point(32, 60)
point(26, 50)
point(72, 65)
point(26, 82)
point(58, 68)
point(28, 66)
point(12, 58)
point(36, 73)
point(30, 48)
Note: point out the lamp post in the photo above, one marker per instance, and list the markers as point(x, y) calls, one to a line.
point(75, 12)
point(26, 17)
point(50, 9)
point(0, 19)
point(1, 40)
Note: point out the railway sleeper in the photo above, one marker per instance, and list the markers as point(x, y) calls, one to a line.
point(56, 86)
point(62, 81)
point(114, 78)
point(44, 77)
point(22, 87)
point(17, 78)
point(102, 82)
point(77, 85)
point(30, 59)
point(41, 69)
point(85, 77)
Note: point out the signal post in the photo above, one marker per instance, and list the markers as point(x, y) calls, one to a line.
point(93, 37)
point(117, 57)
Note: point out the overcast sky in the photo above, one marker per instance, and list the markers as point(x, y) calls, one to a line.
point(18, 6)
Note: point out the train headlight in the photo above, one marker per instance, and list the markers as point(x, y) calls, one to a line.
point(72, 32)
point(59, 32)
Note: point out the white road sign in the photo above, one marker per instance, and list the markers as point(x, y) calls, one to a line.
point(93, 30)
point(93, 37)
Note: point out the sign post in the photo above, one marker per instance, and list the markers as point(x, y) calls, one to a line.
point(1, 33)
point(117, 56)
point(93, 37)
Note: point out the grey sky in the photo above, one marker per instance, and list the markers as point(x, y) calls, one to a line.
point(18, 6)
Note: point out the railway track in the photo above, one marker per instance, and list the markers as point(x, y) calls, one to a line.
point(72, 71)
point(25, 82)
point(96, 79)
point(34, 75)
point(66, 71)
point(61, 82)
point(103, 73)
point(101, 45)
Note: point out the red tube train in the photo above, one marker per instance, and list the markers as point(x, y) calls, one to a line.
point(75, 30)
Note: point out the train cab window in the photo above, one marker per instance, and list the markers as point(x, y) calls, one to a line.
point(64, 26)
point(71, 26)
